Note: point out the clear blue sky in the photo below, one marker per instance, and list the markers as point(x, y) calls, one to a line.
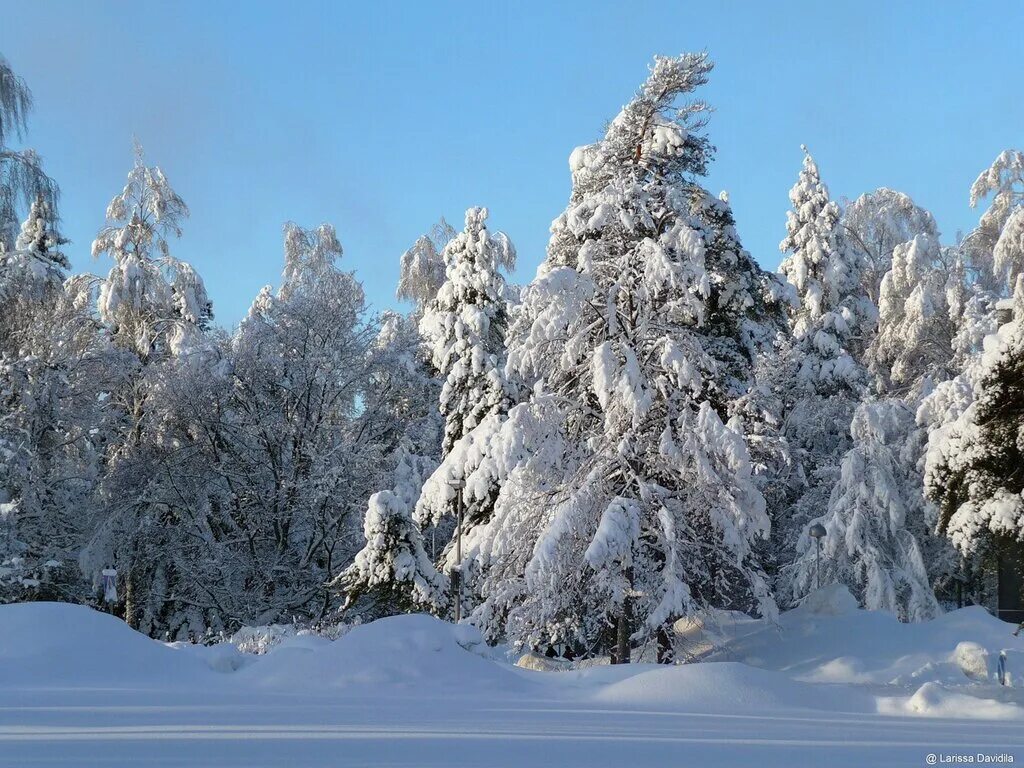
point(381, 117)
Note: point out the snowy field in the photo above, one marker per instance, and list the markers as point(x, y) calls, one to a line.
point(828, 686)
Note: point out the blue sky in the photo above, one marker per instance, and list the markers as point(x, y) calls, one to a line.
point(381, 117)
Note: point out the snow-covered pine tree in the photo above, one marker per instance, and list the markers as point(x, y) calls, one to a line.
point(823, 378)
point(22, 179)
point(404, 393)
point(464, 328)
point(834, 317)
point(390, 573)
point(637, 338)
point(394, 568)
point(31, 276)
point(36, 264)
point(977, 290)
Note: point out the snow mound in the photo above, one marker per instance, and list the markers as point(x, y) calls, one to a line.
point(540, 663)
point(823, 642)
point(936, 700)
point(56, 644)
point(972, 660)
point(405, 652)
point(833, 600)
point(725, 687)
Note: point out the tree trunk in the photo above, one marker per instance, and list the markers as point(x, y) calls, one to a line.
point(624, 626)
point(130, 608)
point(666, 653)
point(622, 638)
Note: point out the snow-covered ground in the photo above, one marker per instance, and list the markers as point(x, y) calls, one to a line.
point(828, 685)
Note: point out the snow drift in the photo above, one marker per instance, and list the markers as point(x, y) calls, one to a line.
point(854, 685)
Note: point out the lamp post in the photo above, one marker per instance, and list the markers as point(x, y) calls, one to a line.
point(817, 533)
point(457, 572)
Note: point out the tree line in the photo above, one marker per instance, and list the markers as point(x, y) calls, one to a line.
point(648, 429)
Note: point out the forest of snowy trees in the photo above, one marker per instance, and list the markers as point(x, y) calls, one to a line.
point(648, 429)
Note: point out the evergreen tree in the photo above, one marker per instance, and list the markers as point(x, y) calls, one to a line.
point(834, 317)
point(464, 328)
point(977, 291)
point(972, 468)
point(823, 378)
point(393, 571)
point(394, 567)
point(637, 338)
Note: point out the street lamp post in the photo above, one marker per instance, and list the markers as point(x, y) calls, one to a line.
point(817, 533)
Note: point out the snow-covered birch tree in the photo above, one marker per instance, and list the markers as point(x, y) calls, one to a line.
point(56, 367)
point(149, 298)
point(875, 223)
point(22, 179)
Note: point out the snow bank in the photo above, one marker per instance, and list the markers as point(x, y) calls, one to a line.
point(825, 656)
point(725, 687)
point(936, 700)
point(828, 640)
point(56, 645)
point(404, 652)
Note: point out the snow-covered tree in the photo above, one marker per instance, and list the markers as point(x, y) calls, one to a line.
point(240, 495)
point(464, 326)
point(875, 516)
point(35, 266)
point(995, 248)
point(403, 393)
point(916, 327)
point(149, 298)
point(22, 179)
point(56, 369)
point(823, 377)
point(394, 571)
point(875, 223)
point(636, 338)
point(422, 267)
point(394, 567)
point(973, 462)
point(464, 330)
point(834, 316)
point(977, 290)
point(154, 307)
